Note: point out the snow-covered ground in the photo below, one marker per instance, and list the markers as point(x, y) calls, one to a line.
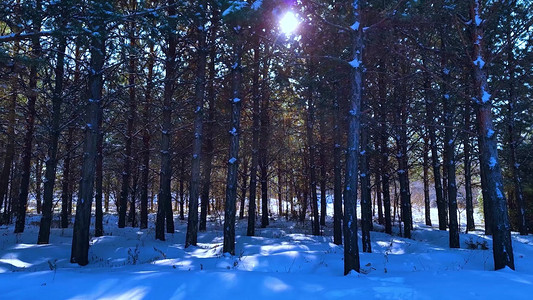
point(282, 261)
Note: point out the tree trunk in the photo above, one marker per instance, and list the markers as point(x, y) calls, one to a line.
point(38, 183)
point(164, 204)
point(244, 188)
point(145, 168)
point(430, 120)
point(66, 188)
point(233, 160)
point(312, 150)
point(384, 147)
point(470, 225)
point(449, 150)
point(263, 152)
point(51, 163)
point(194, 186)
point(351, 248)
point(513, 140)
point(130, 127)
point(80, 238)
point(99, 176)
point(425, 166)
point(27, 149)
point(323, 179)
point(366, 202)
point(502, 245)
point(255, 143)
point(210, 122)
point(10, 146)
point(337, 177)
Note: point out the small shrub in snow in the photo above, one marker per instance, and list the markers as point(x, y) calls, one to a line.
point(133, 255)
point(474, 245)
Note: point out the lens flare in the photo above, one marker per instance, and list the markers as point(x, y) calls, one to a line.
point(289, 23)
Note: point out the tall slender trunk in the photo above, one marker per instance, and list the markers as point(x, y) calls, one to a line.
point(38, 183)
point(80, 238)
point(27, 149)
point(182, 189)
point(132, 103)
point(164, 205)
point(255, 143)
point(194, 186)
point(377, 183)
point(51, 163)
point(312, 149)
point(502, 245)
point(98, 180)
point(323, 179)
point(10, 146)
point(132, 212)
point(366, 202)
point(244, 188)
point(337, 177)
point(280, 189)
point(210, 122)
point(470, 225)
point(351, 248)
point(430, 120)
point(449, 148)
point(66, 194)
point(384, 149)
point(403, 167)
point(145, 168)
point(233, 160)
point(263, 147)
point(425, 166)
point(513, 140)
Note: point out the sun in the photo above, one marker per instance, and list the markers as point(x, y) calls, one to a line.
point(289, 23)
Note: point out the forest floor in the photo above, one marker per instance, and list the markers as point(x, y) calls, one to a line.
point(280, 262)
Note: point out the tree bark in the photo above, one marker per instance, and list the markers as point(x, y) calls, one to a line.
point(244, 188)
point(430, 120)
point(80, 238)
point(449, 150)
point(210, 122)
point(194, 186)
point(164, 204)
point(233, 160)
point(470, 225)
point(351, 248)
point(366, 202)
point(337, 177)
point(51, 162)
point(502, 245)
point(145, 168)
point(27, 149)
point(425, 166)
point(513, 140)
point(312, 149)
point(384, 147)
point(255, 143)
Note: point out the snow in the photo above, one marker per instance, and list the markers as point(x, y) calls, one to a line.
point(256, 5)
point(479, 62)
point(492, 162)
point(490, 133)
point(356, 63)
point(283, 261)
point(486, 96)
point(235, 6)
